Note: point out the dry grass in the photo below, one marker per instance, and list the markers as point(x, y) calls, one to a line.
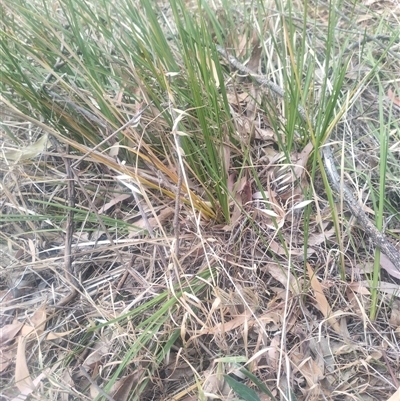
point(116, 285)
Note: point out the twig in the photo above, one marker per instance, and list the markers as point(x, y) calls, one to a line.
point(369, 38)
point(260, 79)
point(68, 258)
point(378, 239)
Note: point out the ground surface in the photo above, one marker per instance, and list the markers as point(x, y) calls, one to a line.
point(109, 293)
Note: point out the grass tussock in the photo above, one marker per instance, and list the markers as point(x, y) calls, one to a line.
point(168, 229)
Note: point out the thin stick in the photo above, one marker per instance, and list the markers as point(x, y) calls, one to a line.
point(68, 258)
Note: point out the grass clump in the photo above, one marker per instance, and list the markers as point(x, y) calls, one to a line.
point(168, 227)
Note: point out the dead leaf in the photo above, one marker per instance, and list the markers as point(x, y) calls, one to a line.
point(27, 152)
point(231, 324)
point(395, 314)
point(6, 358)
point(56, 336)
point(395, 396)
point(389, 266)
point(392, 97)
point(359, 288)
point(322, 303)
point(240, 192)
point(273, 352)
point(246, 192)
point(308, 368)
point(23, 396)
point(357, 71)
point(153, 222)
point(245, 127)
point(284, 277)
point(280, 250)
point(283, 175)
point(354, 300)
point(272, 215)
point(265, 134)
point(388, 288)
point(101, 348)
point(38, 319)
point(236, 98)
point(254, 61)
point(226, 151)
point(122, 388)
point(214, 385)
point(272, 320)
point(316, 239)
point(177, 368)
point(9, 331)
point(241, 48)
point(363, 18)
point(113, 202)
point(23, 379)
point(114, 150)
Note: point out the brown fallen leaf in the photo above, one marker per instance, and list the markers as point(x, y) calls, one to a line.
point(284, 277)
point(36, 381)
point(38, 319)
point(272, 320)
point(236, 98)
point(101, 348)
point(6, 359)
point(9, 331)
point(388, 288)
point(272, 355)
point(322, 303)
point(254, 61)
point(358, 287)
point(117, 199)
point(238, 190)
point(124, 386)
point(56, 336)
point(214, 385)
point(23, 379)
point(395, 314)
point(389, 266)
point(308, 368)
point(153, 222)
point(229, 325)
point(393, 98)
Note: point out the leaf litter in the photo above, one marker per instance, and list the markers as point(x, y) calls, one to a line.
point(269, 313)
